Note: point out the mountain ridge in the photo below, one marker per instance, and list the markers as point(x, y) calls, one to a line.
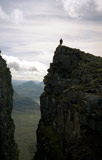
point(71, 108)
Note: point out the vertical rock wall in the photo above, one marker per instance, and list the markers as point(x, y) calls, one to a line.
point(71, 108)
point(8, 147)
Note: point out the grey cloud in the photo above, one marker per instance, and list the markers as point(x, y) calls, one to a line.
point(20, 65)
point(17, 67)
point(85, 9)
point(14, 66)
point(43, 23)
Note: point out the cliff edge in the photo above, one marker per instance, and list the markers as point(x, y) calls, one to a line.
point(8, 147)
point(71, 108)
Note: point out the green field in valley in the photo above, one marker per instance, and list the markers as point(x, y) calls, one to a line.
point(26, 123)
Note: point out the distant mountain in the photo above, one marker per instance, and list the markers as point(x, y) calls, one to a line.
point(18, 82)
point(30, 89)
point(24, 103)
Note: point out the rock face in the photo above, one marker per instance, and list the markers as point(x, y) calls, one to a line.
point(71, 108)
point(8, 147)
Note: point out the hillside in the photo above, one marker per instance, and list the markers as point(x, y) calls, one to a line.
point(17, 82)
point(26, 116)
point(30, 89)
point(21, 103)
point(71, 108)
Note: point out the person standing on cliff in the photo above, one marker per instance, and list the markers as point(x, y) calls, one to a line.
point(61, 41)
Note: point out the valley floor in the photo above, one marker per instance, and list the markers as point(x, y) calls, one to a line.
point(25, 132)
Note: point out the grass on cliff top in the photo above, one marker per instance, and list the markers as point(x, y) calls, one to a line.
point(91, 62)
point(92, 86)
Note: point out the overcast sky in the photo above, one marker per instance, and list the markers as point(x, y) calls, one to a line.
point(30, 31)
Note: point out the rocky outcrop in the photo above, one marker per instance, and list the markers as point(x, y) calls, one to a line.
point(8, 147)
point(71, 108)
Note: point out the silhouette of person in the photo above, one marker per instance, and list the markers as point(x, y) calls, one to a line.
point(61, 41)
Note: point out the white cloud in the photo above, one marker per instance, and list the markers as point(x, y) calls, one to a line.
point(75, 8)
point(14, 17)
point(17, 16)
point(24, 69)
point(3, 15)
point(98, 5)
point(83, 8)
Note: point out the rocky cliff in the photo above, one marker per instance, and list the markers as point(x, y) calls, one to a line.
point(71, 108)
point(8, 147)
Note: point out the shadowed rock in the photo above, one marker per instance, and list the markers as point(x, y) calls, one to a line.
point(71, 108)
point(8, 147)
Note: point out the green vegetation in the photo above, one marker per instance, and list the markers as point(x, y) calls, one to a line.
point(91, 63)
point(92, 85)
point(25, 132)
point(24, 103)
point(78, 108)
point(26, 116)
point(53, 140)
